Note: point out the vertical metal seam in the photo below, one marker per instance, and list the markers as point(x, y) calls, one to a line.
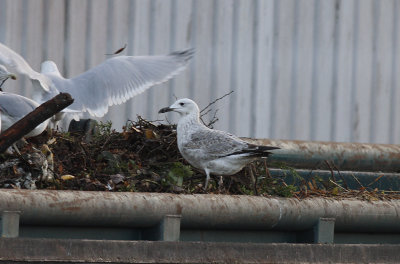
point(394, 80)
point(374, 81)
point(234, 63)
point(24, 43)
point(172, 44)
point(45, 26)
point(254, 72)
point(66, 38)
point(274, 69)
point(130, 48)
point(3, 21)
point(293, 74)
point(354, 112)
point(315, 65)
point(214, 47)
point(193, 42)
point(88, 35)
point(150, 93)
point(335, 74)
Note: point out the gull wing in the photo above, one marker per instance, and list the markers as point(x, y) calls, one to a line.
point(118, 79)
point(16, 106)
point(215, 143)
point(15, 63)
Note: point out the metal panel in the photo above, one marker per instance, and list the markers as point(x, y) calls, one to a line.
point(321, 70)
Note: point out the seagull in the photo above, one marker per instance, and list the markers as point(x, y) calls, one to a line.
point(213, 151)
point(5, 74)
point(112, 82)
point(14, 107)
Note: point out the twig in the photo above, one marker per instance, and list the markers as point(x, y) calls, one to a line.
point(358, 181)
point(341, 176)
point(337, 185)
point(213, 102)
point(331, 169)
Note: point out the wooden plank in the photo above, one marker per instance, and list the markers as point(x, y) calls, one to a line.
point(381, 89)
point(343, 79)
point(362, 72)
point(300, 123)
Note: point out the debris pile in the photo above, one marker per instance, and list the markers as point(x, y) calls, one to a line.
point(142, 158)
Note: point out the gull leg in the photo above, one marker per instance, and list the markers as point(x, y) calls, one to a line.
point(220, 183)
point(207, 178)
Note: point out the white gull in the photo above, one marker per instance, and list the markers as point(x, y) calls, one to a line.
point(113, 82)
point(216, 152)
point(5, 74)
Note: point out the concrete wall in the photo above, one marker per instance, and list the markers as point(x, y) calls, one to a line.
point(91, 251)
point(306, 69)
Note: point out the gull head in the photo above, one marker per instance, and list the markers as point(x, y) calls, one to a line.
point(5, 74)
point(183, 106)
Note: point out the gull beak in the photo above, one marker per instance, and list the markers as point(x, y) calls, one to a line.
point(165, 109)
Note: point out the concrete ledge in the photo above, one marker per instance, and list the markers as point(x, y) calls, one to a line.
point(27, 250)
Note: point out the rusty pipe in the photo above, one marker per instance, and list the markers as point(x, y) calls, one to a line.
point(203, 211)
point(345, 156)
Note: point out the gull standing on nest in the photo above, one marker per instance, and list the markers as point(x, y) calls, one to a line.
point(113, 82)
point(216, 152)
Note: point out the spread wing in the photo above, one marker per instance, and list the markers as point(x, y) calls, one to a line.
point(16, 64)
point(118, 79)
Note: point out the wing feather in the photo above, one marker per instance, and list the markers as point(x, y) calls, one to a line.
point(118, 79)
point(16, 64)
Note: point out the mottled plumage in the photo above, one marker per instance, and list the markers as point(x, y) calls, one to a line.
point(215, 152)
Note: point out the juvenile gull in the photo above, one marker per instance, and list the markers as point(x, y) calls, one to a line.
point(113, 82)
point(216, 152)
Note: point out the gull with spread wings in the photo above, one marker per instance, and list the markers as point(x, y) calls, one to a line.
point(112, 82)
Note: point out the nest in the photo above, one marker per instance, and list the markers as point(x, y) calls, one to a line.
point(144, 157)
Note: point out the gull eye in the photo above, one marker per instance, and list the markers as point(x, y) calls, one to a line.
point(181, 104)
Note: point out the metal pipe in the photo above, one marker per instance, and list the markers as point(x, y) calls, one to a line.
point(345, 156)
point(354, 180)
point(202, 211)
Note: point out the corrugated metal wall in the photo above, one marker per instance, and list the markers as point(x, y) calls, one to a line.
point(305, 69)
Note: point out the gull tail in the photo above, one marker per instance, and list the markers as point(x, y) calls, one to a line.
point(255, 151)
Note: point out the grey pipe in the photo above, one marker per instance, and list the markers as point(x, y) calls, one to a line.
point(345, 156)
point(75, 208)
